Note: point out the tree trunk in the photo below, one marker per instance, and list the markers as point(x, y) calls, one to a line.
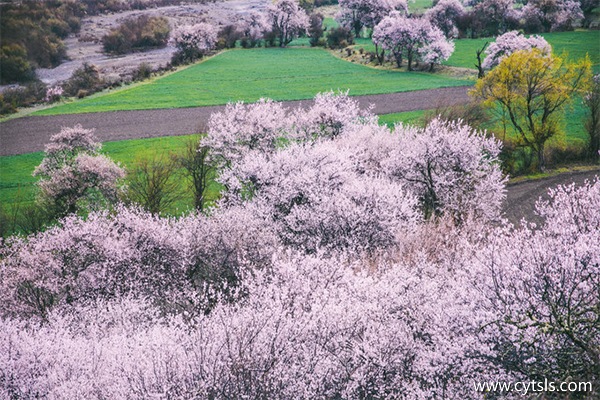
point(541, 158)
point(379, 55)
point(398, 57)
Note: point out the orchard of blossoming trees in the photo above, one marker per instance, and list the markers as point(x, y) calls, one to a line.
point(345, 260)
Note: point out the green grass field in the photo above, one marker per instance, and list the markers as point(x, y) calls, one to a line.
point(419, 6)
point(575, 133)
point(576, 44)
point(17, 185)
point(280, 74)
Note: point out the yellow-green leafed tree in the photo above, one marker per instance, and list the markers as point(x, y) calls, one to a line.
point(533, 90)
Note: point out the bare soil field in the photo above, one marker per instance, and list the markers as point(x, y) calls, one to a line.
point(29, 134)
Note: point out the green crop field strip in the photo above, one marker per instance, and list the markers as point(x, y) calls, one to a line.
point(17, 185)
point(280, 74)
point(577, 44)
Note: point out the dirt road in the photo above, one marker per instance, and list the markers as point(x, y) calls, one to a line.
point(521, 197)
point(29, 134)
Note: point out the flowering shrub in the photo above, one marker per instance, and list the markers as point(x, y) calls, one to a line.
point(53, 94)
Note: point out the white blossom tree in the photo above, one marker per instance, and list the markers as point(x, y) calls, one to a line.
point(444, 15)
point(194, 41)
point(253, 27)
point(413, 39)
point(544, 289)
point(321, 280)
point(452, 168)
point(359, 14)
point(246, 128)
point(510, 42)
point(73, 175)
point(288, 20)
point(551, 15)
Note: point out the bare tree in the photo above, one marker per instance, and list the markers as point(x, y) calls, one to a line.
point(480, 71)
point(197, 169)
point(153, 185)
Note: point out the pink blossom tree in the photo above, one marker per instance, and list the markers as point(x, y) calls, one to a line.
point(444, 15)
point(193, 41)
point(288, 20)
point(329, 115)
point(543, 287)
point(246, 128)
point(359, 14)
point(73, 175)
point(316, 199)
point(510, 42)
point(438, 50)
point(318, 276)
point(453, 169)
point(253, 27)
point(412, 38)
point(551, 15)
point(493, 17)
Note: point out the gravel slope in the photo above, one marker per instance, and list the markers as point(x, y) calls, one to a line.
point(29, 134)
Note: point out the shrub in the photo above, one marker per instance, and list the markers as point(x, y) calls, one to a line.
point(139, 33)
point(339, 37)
point(195, 161)
point(153, 185)
point(14, 65)
point(227, 37)
point(142, 72)
point(85, 80)
point(37, 28)
point(315, 29)
point(53, 94)
point(23, 96)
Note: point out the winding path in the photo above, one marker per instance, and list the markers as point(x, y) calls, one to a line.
point(29, 134)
